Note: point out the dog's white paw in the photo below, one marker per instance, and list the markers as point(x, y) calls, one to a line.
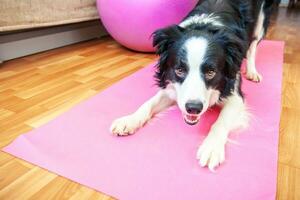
point(212, 152)
point(253, 76)
point(127, 125)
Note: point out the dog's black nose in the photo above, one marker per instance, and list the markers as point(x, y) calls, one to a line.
point(194, 107)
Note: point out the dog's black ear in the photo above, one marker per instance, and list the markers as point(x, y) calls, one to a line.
point(164, 38)
point(235, 49)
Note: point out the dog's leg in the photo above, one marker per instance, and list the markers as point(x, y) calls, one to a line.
point(259, 32)
point(251, 72)
point(129, 124)
point(232, 116)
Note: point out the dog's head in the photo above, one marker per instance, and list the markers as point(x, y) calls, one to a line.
point(201, 64)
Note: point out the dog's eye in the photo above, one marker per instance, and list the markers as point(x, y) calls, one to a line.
point(210, 74)
point(180, 72)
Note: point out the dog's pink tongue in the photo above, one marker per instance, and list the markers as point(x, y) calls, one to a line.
point(192, 117)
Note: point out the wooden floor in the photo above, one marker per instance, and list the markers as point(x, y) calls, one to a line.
point(37, 88)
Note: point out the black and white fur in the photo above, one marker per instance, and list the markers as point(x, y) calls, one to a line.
point(199, 67)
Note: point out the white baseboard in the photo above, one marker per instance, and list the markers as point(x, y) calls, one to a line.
point(284, 3)
point(14, 45)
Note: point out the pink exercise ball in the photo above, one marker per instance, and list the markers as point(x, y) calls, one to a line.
point(131, 22)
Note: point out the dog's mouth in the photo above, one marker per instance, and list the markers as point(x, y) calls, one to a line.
point(191, 119)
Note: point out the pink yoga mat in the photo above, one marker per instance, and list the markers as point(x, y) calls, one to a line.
point(159, 162)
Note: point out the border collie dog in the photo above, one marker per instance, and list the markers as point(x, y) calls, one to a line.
point(199, 67)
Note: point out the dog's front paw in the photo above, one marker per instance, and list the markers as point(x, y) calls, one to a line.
point(253, 76)
point(127, 125)
point(212, 152)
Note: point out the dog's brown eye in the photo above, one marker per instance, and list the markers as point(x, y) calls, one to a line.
point(210, 74)
point(180, 72)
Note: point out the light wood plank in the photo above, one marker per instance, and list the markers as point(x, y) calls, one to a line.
point(27, 185)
